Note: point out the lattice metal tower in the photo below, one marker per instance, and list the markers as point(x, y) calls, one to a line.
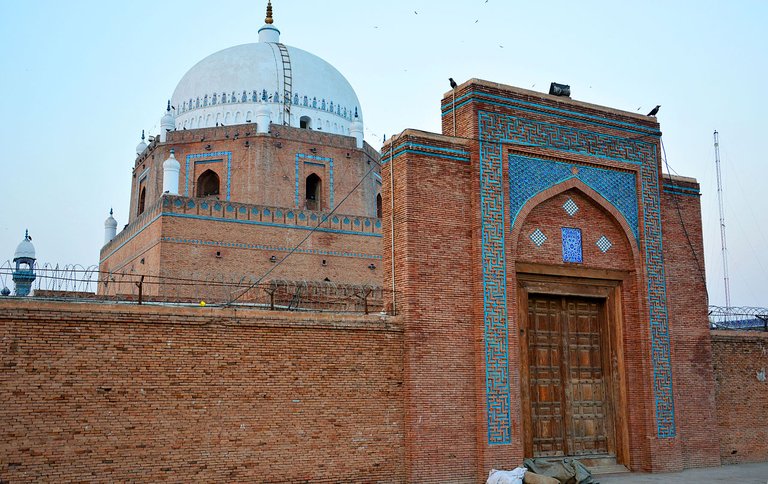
point(722, 222)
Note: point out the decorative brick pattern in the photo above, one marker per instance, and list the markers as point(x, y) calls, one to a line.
point(217, 154)
point(316, 159)
point(496, 128)
point(494, 295)
point(529, 176)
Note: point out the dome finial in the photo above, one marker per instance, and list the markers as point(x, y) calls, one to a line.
point(26, 234)
point(110, 211)
point(269, 20)
point(168, 109)
point(142, 135)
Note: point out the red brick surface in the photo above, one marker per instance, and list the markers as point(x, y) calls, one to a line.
point(106, 393)
point(689, 325)
point(183, 242)
point(740, 361)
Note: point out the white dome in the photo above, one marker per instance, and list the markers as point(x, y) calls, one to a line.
point(142, 145)
point(110, 222)
point(25, 249)
point(226, 88)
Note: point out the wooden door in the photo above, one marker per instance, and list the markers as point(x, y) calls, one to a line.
point(567, 387)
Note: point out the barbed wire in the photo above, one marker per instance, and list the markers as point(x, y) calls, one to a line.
point(74, 281)
point(738, 317)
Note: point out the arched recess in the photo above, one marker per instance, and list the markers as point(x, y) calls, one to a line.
point(142, 200)
point(208, 184)
point(576, 325)
point(378, 205)
point(305, 122)
point(313, 192)
point(594, 196)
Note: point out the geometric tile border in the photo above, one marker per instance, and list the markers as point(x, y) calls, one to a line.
point(495, 129)
point(495, 336)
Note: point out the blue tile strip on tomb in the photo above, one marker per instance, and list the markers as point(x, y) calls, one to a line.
point(529, 176)
point(495, 129)
point(216, 154)
point(495, 295)
point(314, 159)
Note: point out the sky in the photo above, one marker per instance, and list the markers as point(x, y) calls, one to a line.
point(81, 79)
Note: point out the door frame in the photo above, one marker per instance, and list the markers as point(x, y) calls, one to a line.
point(579, 282)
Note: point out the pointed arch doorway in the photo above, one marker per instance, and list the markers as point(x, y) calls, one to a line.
point(571, 385)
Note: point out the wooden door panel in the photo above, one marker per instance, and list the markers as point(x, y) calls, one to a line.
point(544, 356)
point(567, 385)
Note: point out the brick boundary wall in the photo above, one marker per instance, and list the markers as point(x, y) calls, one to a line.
point(740, 361)
point(111, 392)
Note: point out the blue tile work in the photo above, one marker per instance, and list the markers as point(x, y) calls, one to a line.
point(529, 176)
point(495, 129)
point(253, 95)
point(494, 295)
point(237, 245)
point(203, 156)
point(572, 245)
point(314, 161)
point(426, 150)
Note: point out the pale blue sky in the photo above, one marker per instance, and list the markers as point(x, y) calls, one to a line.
point(81, 79)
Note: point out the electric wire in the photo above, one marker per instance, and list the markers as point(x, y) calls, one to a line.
point(312, 231)
point(682, 224)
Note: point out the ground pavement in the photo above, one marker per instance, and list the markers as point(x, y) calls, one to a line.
point(756, 473)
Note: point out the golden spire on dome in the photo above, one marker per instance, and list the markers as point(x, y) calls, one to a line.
point(268, 20)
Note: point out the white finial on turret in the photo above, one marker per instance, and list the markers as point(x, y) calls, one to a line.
point(142, 145)
point(167, 123)
point(356, 130)
point(110, 228)
point(171, 169)
point(262, 118)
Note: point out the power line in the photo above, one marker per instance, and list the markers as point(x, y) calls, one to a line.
point(682, 224)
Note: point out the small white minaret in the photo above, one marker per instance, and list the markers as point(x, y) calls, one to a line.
point(171, 169)
point(356, 130)
point(262, 118)
point(269, 33)
point(142, 145)
point(110, 228)
point(167, 123)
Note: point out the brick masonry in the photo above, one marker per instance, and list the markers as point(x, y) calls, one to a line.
point(516, 160)
point(432, 395)
point(740, 361)
point(105, 393)
point(261, 212)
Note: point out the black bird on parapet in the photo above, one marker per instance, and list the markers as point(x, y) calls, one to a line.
point(654, 111)
point(453, 83)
